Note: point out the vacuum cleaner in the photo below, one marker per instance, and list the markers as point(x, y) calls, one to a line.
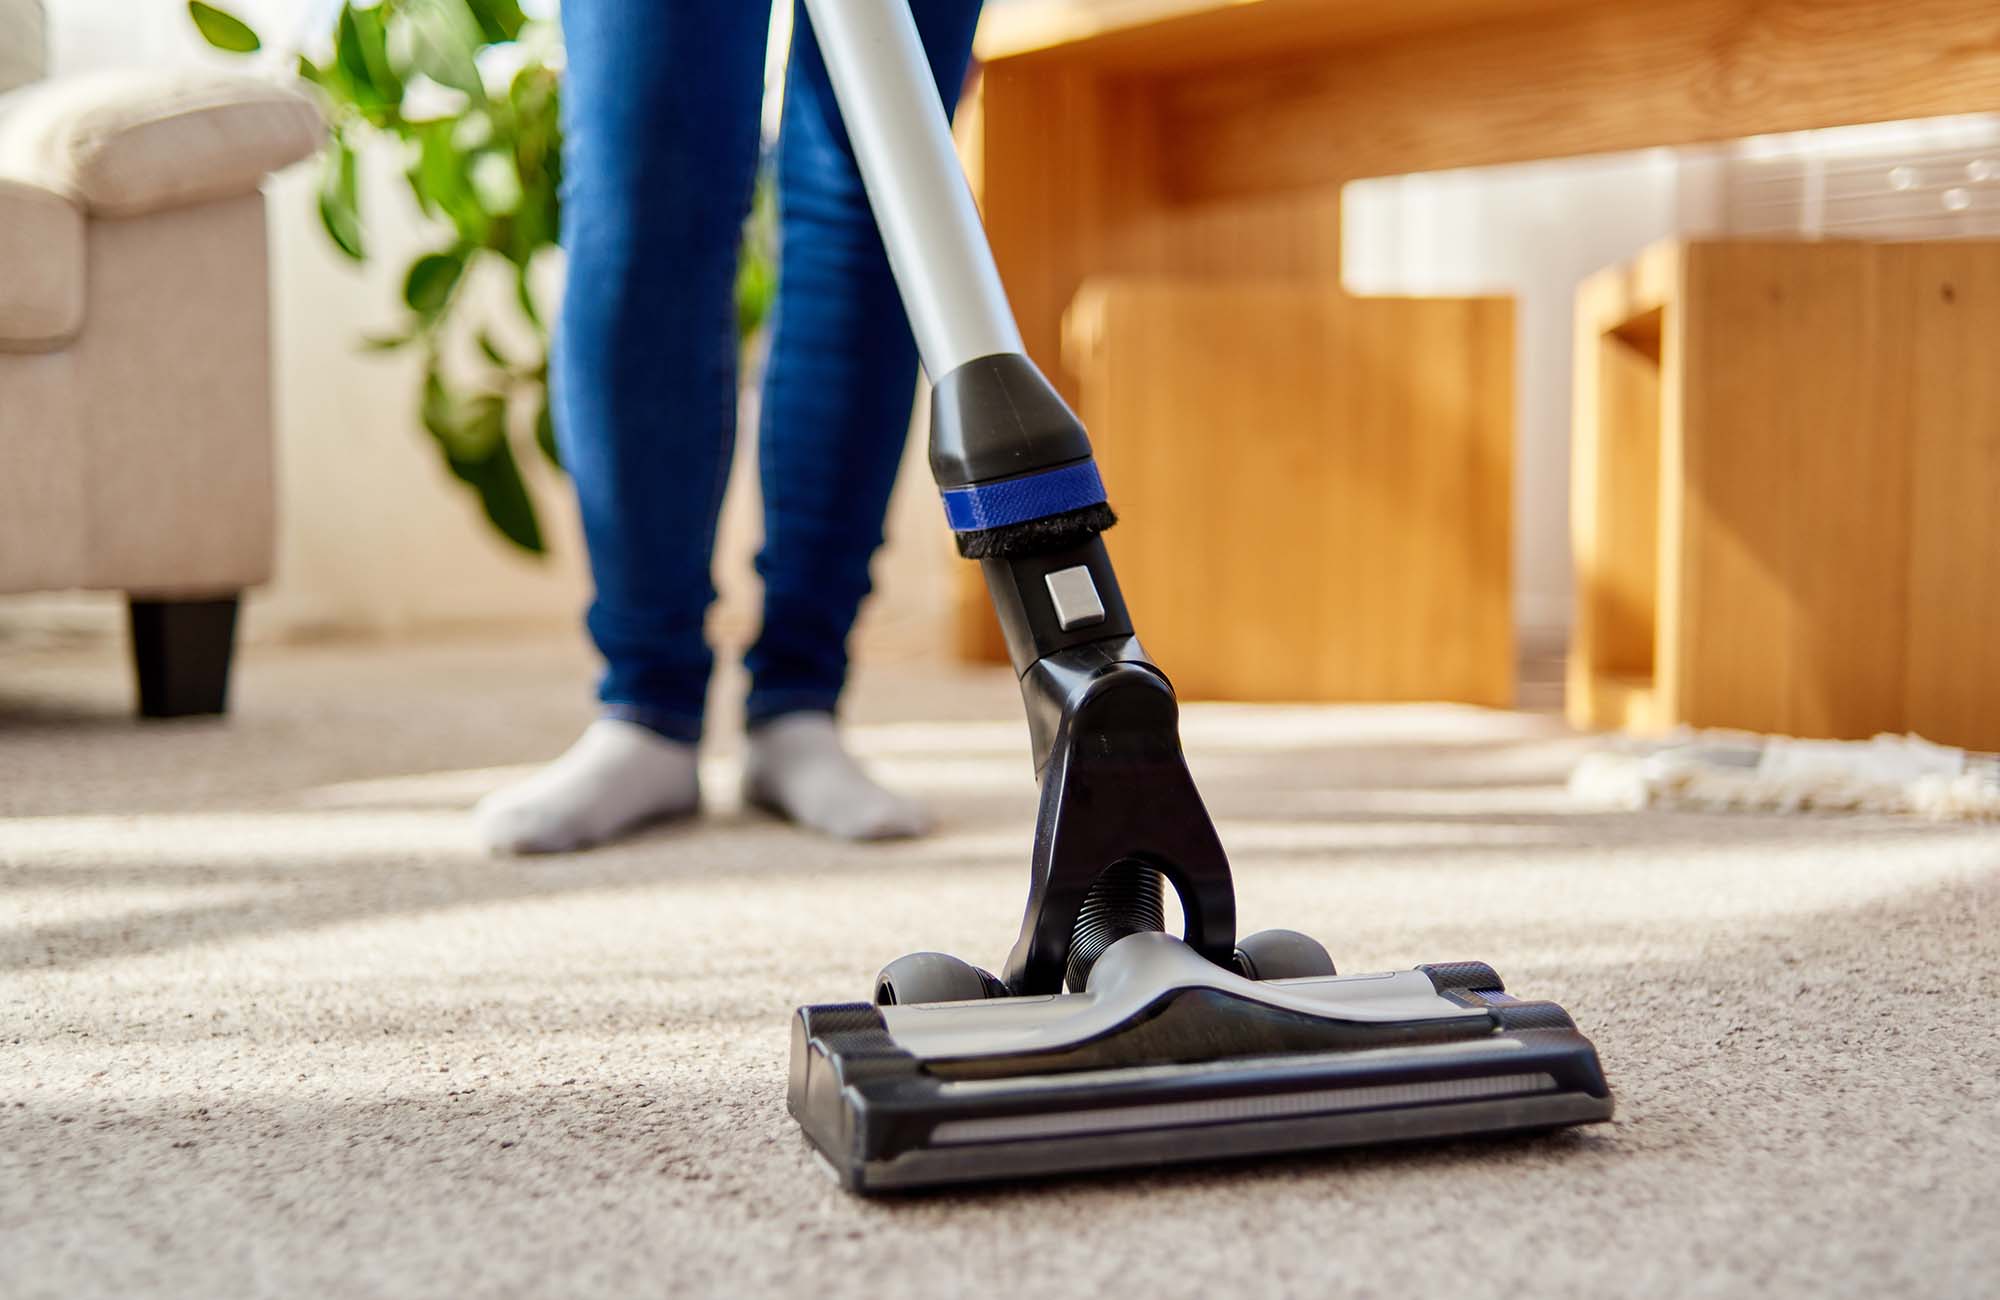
point(1104, 1041)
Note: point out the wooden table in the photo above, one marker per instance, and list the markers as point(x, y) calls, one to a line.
point(1192, 138)
point(1189, 135)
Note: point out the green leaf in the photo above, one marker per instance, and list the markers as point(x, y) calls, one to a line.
point(536, 130)
point(473, 438)
point(350, 62)
point(492, 350)
point(533, 94)
point(497, 479)
point(440, 39)
point(756, 288)
point(223, 30)
point(339, 204)
point(483, 426)
point(463, 432)
point(757, 262)
point(440, 183)
point(438, 412)
point(430, 281)
point(385, 342)
point(435, 171)
point(361, 54)
point(499, 20)
point(538, 214)
point(545, 432)
point(486, 463)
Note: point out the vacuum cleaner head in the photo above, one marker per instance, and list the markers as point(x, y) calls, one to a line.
point(1167, 1057)
point(1163, 1049)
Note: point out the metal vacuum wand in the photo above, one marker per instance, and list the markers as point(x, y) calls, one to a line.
point(902, 140)
point(1022, 495)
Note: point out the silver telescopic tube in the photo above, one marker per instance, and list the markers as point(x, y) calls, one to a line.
point(937, 248)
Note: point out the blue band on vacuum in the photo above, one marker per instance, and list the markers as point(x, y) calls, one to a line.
point(1020, 500)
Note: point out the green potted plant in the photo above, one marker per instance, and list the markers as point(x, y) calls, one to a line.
point(471, 89)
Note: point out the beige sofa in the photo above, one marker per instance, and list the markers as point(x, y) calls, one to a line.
point(135, 384)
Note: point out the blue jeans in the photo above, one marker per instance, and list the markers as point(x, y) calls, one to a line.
point(661, 128)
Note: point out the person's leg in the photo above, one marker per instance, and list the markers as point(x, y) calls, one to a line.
point(836, 411)
point(661, 118)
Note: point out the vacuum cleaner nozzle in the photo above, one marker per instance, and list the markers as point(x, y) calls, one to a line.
point(1167, 1058)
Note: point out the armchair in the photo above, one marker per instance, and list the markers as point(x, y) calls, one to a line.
point(135, 378)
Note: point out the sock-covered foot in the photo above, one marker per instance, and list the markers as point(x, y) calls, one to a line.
point(616, 778)
point(797, 769)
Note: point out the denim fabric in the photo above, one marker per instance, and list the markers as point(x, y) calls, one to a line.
point(661, 117)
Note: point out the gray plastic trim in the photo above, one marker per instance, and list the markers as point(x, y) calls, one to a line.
point(1134, 973)
point(1225, 1110)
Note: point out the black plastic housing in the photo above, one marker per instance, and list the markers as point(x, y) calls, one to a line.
point(997, 417)
point(1102, 719)
point(1027, 613)
point(1115, 788)
point(876, 1113)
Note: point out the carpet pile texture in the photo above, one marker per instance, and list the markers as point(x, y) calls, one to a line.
point(273, 1025)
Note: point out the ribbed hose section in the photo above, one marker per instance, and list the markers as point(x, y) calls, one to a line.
point(1126, 898)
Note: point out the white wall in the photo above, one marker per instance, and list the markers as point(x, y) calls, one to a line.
point(87, 34)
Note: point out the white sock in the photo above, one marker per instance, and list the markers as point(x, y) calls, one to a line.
point(616, 777)
point(797, 769)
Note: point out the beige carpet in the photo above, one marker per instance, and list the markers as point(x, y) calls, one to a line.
point(272, 1025)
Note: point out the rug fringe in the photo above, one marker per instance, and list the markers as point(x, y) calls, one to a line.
point(1735, 771)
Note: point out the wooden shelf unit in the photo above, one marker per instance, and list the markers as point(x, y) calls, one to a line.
point(1785, 479)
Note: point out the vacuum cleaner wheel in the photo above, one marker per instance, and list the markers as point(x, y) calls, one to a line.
point(1282, 955)
point(933, 977)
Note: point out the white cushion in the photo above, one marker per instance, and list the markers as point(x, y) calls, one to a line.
point(41, 267)
point(125, 143)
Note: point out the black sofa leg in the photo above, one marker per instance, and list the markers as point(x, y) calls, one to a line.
point(181, 650)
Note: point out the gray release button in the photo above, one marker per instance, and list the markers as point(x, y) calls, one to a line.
point(1075, 597)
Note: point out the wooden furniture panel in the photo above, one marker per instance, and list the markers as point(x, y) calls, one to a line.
point(1072, 189)
point(1153, 36)
point(1797, 466)
point(1615, 490)
point(1817, 470)
point(1509, 86)
point(1315, 489)
point(1953, 660)
point(1272, 94)
point(1212, 137)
